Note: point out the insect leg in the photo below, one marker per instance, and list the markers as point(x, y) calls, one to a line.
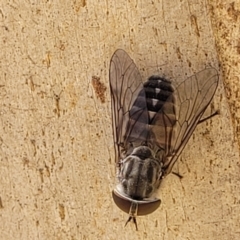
point(212, 115)
point(177, 174)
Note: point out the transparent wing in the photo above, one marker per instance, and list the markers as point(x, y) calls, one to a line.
point(129, 116)
point(181, 113)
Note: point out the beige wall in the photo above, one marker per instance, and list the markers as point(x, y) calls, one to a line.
point(56, 148)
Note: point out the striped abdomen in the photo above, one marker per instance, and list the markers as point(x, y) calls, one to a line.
point(159, 92)
point(152, 115)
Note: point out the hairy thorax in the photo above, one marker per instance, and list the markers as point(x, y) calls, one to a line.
point(140, 174)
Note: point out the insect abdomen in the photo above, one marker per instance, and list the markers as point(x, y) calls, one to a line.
point(153, 115)
point(159, 93)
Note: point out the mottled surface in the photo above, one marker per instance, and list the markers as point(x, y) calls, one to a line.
point(226, 21)
point(56, 148)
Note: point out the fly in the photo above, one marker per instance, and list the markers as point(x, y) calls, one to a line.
point(152, 123)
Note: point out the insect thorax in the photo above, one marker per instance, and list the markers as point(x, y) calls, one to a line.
point(140, 174)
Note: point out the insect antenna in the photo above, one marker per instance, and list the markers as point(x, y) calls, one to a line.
point(133, 213)
point(134, 221)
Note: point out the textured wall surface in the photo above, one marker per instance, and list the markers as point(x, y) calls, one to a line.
point(56, 148)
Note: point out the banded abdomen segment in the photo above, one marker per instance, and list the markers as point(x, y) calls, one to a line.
point(161, 112)
point(159, 93)
point(152, 115)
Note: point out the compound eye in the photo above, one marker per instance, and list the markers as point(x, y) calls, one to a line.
point(148, 206)
point(144, 206)
point(123, 203)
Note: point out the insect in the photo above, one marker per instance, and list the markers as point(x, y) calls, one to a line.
point(152, 123)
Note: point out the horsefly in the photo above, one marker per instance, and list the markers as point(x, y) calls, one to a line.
point(152, 123)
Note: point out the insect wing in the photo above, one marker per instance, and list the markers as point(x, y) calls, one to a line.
point(191, 100)
point(129, 109)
